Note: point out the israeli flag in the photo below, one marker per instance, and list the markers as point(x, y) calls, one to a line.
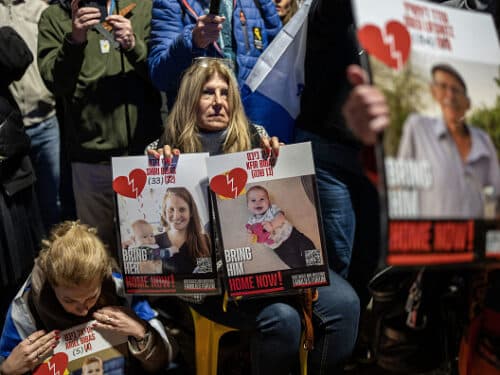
point(271, 93)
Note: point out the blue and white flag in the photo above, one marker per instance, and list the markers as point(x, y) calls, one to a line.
point(271, 93)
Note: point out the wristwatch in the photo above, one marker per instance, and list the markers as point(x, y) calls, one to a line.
point(141, 344)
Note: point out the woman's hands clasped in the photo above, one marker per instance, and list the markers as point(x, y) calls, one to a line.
point(121, 320)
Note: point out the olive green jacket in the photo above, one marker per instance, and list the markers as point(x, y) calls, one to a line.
point(98, 91)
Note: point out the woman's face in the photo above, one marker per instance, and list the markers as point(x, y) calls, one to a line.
point(213, 106)
point(78, 300)
point(177, 212)
point(283, 7)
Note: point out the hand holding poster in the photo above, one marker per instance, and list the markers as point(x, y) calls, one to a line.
point(164, 224)
point(441, 167)
point(84, 350)
point(268, 220)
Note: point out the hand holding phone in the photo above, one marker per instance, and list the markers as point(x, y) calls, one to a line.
point(99, 4)
point(83, 18)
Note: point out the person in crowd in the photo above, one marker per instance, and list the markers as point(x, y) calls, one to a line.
point(21, 227)
point(286, 9)
point(285, 240)
point(110, 108)
point(184, 236)
point(72, 283)
point(37, 107)
point(349, 201)
point(459, 154)
point(182, 30)
point(208, 117)
point(92, 366)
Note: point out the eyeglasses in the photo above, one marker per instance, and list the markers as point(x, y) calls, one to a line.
point(442, 86)
point(203, 61)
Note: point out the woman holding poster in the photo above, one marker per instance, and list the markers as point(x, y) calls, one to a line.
point(72, 283)
point(208, 116)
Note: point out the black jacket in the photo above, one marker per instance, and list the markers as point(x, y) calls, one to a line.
point(16, 172)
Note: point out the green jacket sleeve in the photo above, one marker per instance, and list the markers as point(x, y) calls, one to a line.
point(59, 60)
point(137, 56)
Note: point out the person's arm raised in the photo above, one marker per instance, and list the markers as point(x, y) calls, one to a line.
point(366, 110)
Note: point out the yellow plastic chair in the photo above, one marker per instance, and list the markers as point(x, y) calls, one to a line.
point(207, 334)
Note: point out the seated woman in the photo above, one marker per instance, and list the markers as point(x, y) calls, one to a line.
point(208, 117)
point(70, 284)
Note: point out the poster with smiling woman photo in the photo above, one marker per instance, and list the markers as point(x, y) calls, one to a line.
point(164, 232)
point(442, 174)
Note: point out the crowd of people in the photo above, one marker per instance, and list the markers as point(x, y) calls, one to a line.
point(105, 74)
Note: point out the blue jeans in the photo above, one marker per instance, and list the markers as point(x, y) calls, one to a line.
point(335, 319)
point(275, 325)
point(45, 156)
point(337, 212)
point(349, 209)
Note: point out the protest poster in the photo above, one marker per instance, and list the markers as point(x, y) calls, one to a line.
point(440, 179)
point(268, 221)
point(164, 225)
point(82, 350)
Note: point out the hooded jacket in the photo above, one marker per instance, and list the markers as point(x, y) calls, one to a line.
point(16, 172)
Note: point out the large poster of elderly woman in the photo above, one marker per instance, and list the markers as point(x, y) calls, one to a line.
point(442, 174)
point(163, 220)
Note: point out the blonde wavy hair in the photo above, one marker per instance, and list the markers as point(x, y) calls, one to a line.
point(181, 130)
point(74, 255)
point(294, 7)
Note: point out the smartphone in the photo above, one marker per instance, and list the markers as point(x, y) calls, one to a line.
point(99, 4)
point(214, 7)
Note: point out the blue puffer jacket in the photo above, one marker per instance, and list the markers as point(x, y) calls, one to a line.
point(172, 49)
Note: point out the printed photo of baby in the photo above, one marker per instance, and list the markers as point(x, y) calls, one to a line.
point(276, 224)
point(268, 225)
point(144, 238)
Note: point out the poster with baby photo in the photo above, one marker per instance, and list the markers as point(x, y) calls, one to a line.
point(268, 221)
point(164, 229)
point(439, 68)
point(82, 350)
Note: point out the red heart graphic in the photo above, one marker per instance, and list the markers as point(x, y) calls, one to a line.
point(132, 185)
point(58, 364)
point(230, 184)
point(393, 49)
